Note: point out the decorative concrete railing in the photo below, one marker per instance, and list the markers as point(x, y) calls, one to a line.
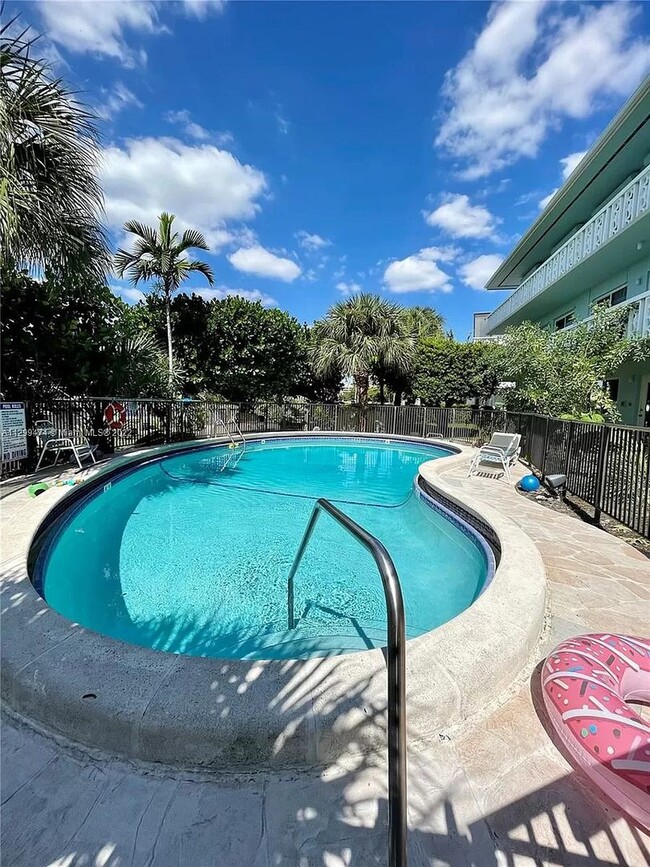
point(495, 338)
point(620, 212)
point(639, 322)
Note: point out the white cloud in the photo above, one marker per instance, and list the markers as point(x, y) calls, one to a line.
point(202, 8)
point(282, 122)
point(184, 119)
point(312, 243)
point(545, 201)
point(194, 130)
point(100, 27)
point(129, 294)
point(477, 272)
point(348, 288)
point(204, 186)
point(249, 294)
point(570, 163)
point(529, 68)
point(459, 218)
point(115, 100)
point(263, 263)
point(420, 272)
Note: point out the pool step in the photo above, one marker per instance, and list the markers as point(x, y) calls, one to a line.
point(307, 639)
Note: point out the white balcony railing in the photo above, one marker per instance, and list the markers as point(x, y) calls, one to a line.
point(638, 320)
point(638, 325)
point(495, 338)
point(620, 212)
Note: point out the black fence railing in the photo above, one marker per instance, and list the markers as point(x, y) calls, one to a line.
point(607, 466)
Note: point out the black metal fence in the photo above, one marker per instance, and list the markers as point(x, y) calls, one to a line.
point(607, 466)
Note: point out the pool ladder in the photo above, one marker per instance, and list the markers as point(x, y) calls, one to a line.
point(395, 664)
point(236, 453)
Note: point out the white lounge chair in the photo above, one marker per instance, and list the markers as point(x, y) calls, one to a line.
point(502, 450)
point(48, 439)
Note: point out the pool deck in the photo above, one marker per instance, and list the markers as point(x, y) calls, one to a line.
point(496, 792)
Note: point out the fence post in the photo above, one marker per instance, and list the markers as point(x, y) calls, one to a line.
point(545, 449)
point(569, 444)
point(600, 472)
point(168, 422)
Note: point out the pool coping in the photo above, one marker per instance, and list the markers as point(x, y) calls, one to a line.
point(236, 714)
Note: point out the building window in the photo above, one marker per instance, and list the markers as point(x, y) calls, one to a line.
point(618, 296)
point(564, 321)
point(611, 385)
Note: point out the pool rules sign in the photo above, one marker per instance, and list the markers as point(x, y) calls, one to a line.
point(13, 432)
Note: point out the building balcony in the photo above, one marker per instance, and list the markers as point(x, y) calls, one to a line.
point(614, 231)
point(494, 338)
point(638, 324)
point(638, 320)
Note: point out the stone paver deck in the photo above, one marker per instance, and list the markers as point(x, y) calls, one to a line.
point(498, 793)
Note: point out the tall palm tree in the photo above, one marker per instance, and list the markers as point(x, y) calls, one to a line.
point(356, 336)
point(158, 255)
point(50, 198)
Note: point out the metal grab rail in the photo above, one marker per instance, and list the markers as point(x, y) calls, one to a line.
point(235, 449)
point(395, 663)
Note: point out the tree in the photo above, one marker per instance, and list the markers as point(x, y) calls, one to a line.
point(448, 373)
point(255, 353)
point(311, 385)
point(65, 335)
point(193, 355)
point(158, 255)
point(563, 373)
point(359, 334)
point(50, 198)
point(234, 348)
point(419, 322)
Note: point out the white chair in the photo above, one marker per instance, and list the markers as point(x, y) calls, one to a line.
point(503, 450)
point(48, 439)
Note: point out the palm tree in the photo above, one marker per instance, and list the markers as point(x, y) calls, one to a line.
point(356, 336)
point(50, 198)
point(157, 255)
point(419, 322)
point(422, 321)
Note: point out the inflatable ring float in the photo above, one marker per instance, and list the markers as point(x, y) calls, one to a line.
point(586, 683)
point(37, 488)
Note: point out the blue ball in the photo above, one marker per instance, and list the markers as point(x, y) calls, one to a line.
point(529, 483)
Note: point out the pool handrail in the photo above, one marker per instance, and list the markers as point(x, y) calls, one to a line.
point(235, 447)
point(395, 664)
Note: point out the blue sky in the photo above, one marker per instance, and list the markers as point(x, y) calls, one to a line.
point(324, 148)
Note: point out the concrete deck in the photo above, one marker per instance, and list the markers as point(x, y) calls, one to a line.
point(494, 792)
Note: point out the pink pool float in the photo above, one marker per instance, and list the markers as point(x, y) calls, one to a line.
point(587, 682)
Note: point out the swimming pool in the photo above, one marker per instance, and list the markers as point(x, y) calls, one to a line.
point(183, 555)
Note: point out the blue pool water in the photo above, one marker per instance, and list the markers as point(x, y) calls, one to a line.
point(182, 556)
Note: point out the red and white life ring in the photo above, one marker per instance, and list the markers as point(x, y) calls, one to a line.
point(115, 415)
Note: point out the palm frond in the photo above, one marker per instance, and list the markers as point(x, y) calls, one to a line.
point(50, 198)
point(146, 233)
point(191, 239)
